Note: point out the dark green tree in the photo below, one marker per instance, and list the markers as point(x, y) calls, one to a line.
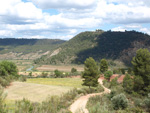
point(58, 73)
point(90, 74)
point(128, 84)
point(108, 74)
point(8, 68)
point(103, 65)
point(141, 67)
point(73, 70)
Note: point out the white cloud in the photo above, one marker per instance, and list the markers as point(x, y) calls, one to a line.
point(65, 4)
point(118, 29)
point(18, 18)
point(145, 30)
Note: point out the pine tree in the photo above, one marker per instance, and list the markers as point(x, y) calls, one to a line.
point(141, 66)
point(90, 74)
point(103, 65)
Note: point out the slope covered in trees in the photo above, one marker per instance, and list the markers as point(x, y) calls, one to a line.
point(99, 44)
point(19, 47)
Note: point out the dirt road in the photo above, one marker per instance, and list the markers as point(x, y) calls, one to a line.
point(79, 106)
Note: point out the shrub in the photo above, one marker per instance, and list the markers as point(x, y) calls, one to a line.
point(111, 95)
point(44, 75)
point(73, 70)
point(114, 82)
point(147, 103)
point(108, 74)
point(58, 74)
point(128, 84)
point(4, 82)
point(23, 78)
point(119, 101)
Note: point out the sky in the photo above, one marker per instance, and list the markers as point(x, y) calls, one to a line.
point(63, 19)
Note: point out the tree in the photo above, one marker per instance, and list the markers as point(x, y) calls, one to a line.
point(90, 74)
point(58, 73)
point(108, 74)
point(8, 68)
point(73, 70)
point(103, 65)
point(128, 84)
point(141, 67)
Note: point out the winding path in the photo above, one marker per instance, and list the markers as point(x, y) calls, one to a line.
point(79, 106)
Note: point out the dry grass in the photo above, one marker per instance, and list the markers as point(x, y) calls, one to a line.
point(33, 92)
point(33, 73)
point(70, 82)
point(61, 68)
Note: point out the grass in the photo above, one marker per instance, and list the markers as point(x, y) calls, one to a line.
point(65, 68)
point(70, 82)
point(34, 92)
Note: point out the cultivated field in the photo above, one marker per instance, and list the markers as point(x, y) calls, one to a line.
point(38, 89)
point(33, 92)
point(60, 68)
point(69, 82)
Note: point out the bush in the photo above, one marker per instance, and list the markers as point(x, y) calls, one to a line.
point(73, 70)
point(147, 103)
point(128, 84)
point(119, 101)
point(23, 78)
point(4, 82)
point(44, 75)
point(58, 74)
point(108, 74)
point(114, 82)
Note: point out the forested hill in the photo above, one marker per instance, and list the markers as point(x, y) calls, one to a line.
point(11, 48)
point(99, 44)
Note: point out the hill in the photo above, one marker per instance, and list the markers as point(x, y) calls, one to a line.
point(11, 48)
point(98, 44)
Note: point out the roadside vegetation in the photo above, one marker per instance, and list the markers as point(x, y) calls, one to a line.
point(132, 94)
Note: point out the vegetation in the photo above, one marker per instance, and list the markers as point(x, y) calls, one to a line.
point(103, 65)
point(90, 74)
point(119, 102)
point(107, 75)
point(128, 84)
point(141, 68)
point(99, 45)
point(71, 82)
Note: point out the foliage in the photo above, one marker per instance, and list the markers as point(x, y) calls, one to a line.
point(90, 74)
point(141, 68)
point(128, 84)
point(138, 84)
point(147, 103)
point(108, 74)
point(44, 74)
point(103, 65)
point(114, 82)
point(26, 46)
point(23, 78)
point(73, 70)
point(53, 104)
point(8, 68)
point(119, 101)
point(58, 74)
point(99, 45)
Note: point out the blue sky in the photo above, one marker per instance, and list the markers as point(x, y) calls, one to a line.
point(64, 19)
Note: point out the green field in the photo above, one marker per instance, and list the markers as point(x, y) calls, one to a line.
point(69, 82)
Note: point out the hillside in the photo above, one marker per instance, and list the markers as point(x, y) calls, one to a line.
point(120, 46)
point(11, 48)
